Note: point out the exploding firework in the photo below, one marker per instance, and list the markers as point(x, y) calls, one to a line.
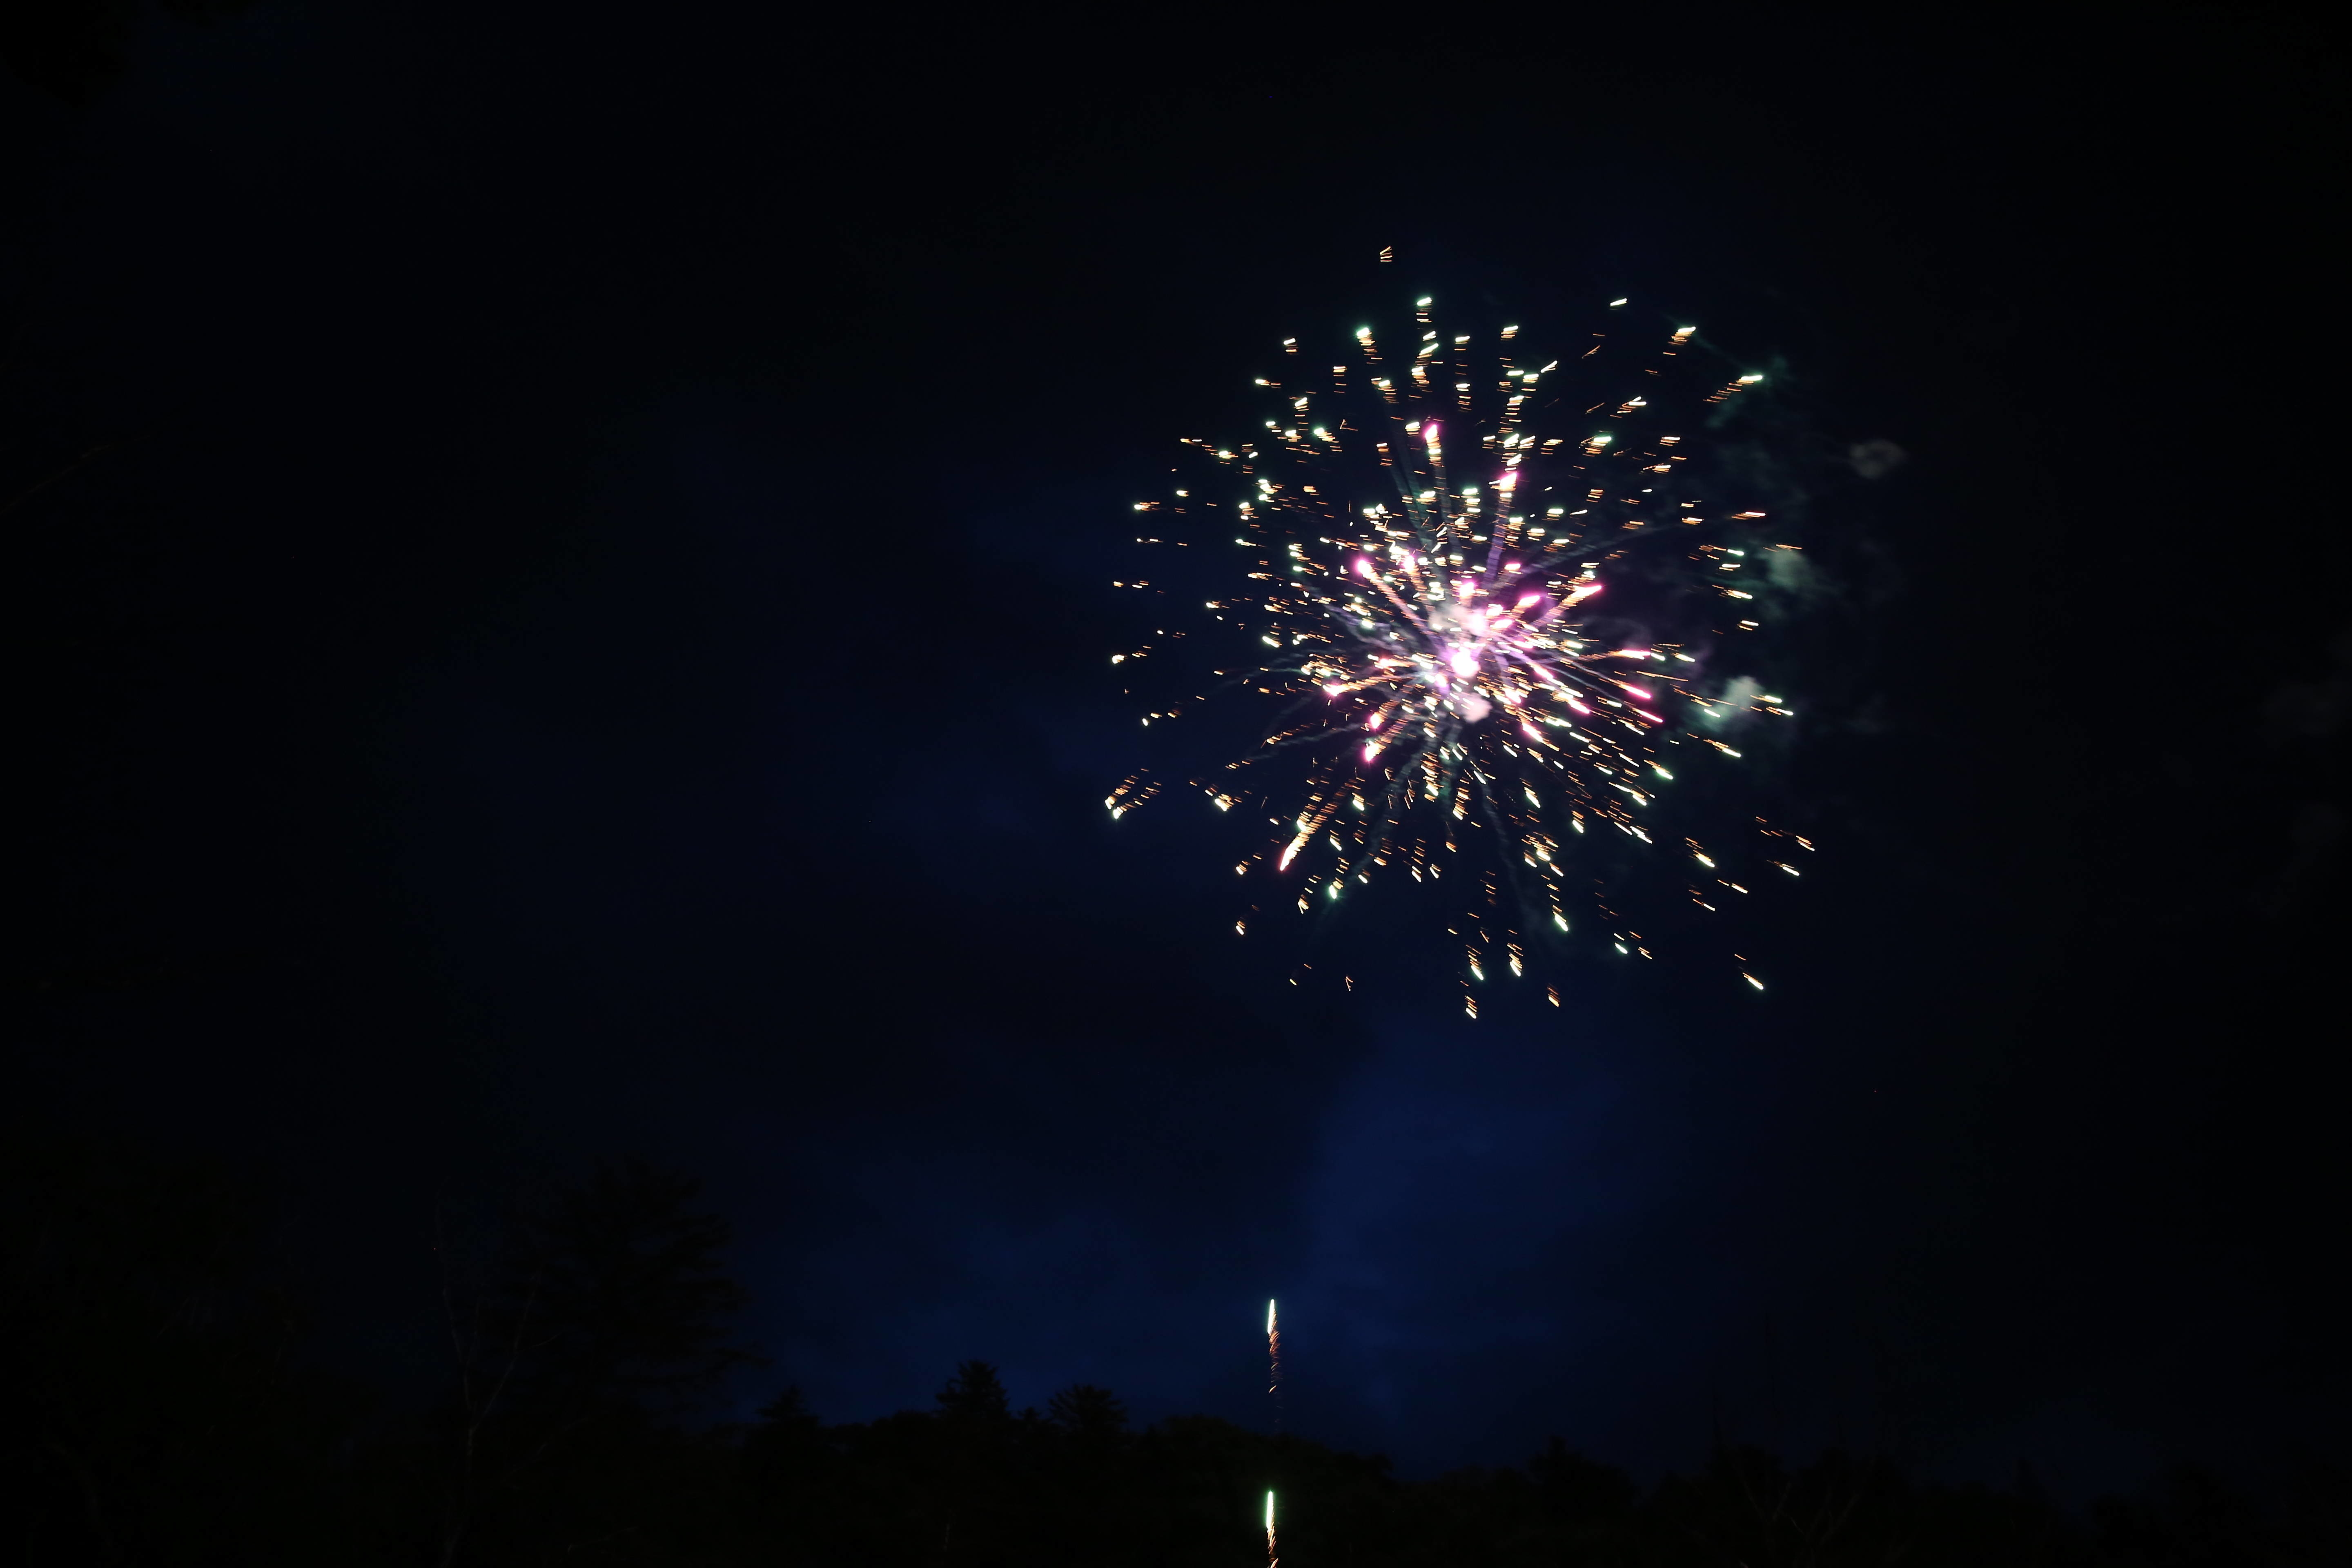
point(1435, 536)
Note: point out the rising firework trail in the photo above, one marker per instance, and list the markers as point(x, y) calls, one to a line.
point(1273, 1557)
point(1433, 538)
point(1274, 1363)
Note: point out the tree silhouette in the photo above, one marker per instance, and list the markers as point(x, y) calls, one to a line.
point(1088, 1413)
point(155, 1408)
point(621, 1289)
point(161, 1411)
point(974, 1398)
point(609, 1321)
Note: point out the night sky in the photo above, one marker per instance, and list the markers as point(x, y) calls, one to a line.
point(585, 634)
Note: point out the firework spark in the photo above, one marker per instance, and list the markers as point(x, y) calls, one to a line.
point(1273, 1557)
point(1432, 533)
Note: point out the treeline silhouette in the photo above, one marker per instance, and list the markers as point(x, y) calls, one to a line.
point(167, 1406)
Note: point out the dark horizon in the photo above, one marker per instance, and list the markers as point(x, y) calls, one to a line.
point(467, 746)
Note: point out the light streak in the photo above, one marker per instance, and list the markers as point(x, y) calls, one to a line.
point(1274, 1363)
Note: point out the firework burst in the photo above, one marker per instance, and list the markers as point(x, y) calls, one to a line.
point(1436, 534)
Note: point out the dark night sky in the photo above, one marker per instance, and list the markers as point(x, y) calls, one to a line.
point(463, 744)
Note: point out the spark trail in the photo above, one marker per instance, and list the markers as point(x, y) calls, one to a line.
point(1274, 1363)
point(1434, 536)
